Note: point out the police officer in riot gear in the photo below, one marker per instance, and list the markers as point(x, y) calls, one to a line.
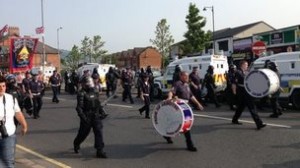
point(14, 89)
point(90, 113)
point(35, 90)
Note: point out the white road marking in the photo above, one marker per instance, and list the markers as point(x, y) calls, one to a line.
point(203, 116)
point(244, 121)
point(43, 157)
point(119, 105)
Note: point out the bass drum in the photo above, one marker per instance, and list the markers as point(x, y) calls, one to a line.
point(170, 118)
point(262, 82)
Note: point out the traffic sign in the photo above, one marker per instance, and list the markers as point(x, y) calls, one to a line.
point(259, 47)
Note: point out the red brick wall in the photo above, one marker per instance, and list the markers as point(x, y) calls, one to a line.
point(150, 56)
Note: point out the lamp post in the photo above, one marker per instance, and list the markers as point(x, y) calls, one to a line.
point(58, 51)
point(213, 23)
point(43, 37)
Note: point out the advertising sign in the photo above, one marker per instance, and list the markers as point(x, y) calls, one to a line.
point(276, 38)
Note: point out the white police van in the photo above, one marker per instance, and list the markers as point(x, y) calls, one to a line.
point(163, 84)
point(101, 68)
point(289, 69)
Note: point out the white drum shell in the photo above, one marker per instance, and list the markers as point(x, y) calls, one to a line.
point(262, 82)
point(168, 117)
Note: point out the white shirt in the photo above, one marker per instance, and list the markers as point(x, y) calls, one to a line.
point(11, 108)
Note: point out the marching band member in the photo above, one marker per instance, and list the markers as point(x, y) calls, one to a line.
point(181, 90)
point(244, 99)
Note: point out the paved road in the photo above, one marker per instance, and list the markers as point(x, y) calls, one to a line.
point(131, 140)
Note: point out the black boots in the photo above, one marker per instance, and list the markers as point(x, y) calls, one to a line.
point(76, 148)
point(101, 154)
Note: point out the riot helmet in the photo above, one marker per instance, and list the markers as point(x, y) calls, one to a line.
point(11, 81)
point(87, 82)
point(272, 66)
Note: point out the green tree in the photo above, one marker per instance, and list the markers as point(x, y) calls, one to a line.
point(163, 40)
point(92, 48)
point(85, 49)
point(196, 38)
point(72, 59)
point(97, 52)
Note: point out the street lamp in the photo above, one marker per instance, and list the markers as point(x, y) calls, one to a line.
point(58, 52)
point(213, 21)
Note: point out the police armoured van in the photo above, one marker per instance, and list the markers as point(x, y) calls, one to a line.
point(288, 64)
point(163, 84)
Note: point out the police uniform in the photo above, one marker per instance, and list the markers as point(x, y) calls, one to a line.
point(111, 81)
point(36, 87)
point(28, 104)
point(195, 79)
point(127, 83)
point(145, 90)
point(244, 99)
point(55, 83)
point(210, 85)
point(89, 110)
point(182, 91)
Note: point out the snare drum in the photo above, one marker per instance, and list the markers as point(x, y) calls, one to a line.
point(262, 82)
point(172, 117)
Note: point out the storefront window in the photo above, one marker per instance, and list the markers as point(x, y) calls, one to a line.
point(289, 36)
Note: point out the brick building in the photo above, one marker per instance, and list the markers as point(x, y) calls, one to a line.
point(139, 58)
point(52, 57)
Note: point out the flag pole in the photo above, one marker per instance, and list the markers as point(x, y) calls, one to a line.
point(43, 37)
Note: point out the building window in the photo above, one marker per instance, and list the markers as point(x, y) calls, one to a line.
point(223, 45)
point(292, 65)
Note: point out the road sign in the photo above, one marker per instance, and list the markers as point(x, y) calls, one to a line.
point(259, 47)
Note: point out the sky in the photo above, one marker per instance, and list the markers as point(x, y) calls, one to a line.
point(125, 24)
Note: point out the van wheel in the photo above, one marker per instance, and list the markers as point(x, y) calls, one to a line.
point(157, 92)
point(296, 99)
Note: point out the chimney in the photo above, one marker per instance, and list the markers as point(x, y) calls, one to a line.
point(14, 31)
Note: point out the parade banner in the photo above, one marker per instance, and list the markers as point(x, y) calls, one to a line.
point(21, 54)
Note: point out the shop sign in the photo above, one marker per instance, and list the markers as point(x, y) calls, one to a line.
point(276, 38)
point(241, 45)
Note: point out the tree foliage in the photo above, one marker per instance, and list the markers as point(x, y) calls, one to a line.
point(163, 40)
point(196, 37)
point(96, 48)
point(72, 59)
point(92, 48)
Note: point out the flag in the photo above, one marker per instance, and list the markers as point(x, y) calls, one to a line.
point(3, 30)
point(39, 30)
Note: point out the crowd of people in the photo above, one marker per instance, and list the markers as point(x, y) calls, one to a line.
point(26, 93)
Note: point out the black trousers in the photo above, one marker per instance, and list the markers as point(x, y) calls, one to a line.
point(275, 105)
point(110, 88)
point(55, 93)
point(37, 105)
point(146, 106)
point(127, 93)
point(244, 99)
point(188, 139)
point(85, 129)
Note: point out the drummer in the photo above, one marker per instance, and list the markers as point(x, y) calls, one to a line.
point(244, 99)
point(181, 90)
